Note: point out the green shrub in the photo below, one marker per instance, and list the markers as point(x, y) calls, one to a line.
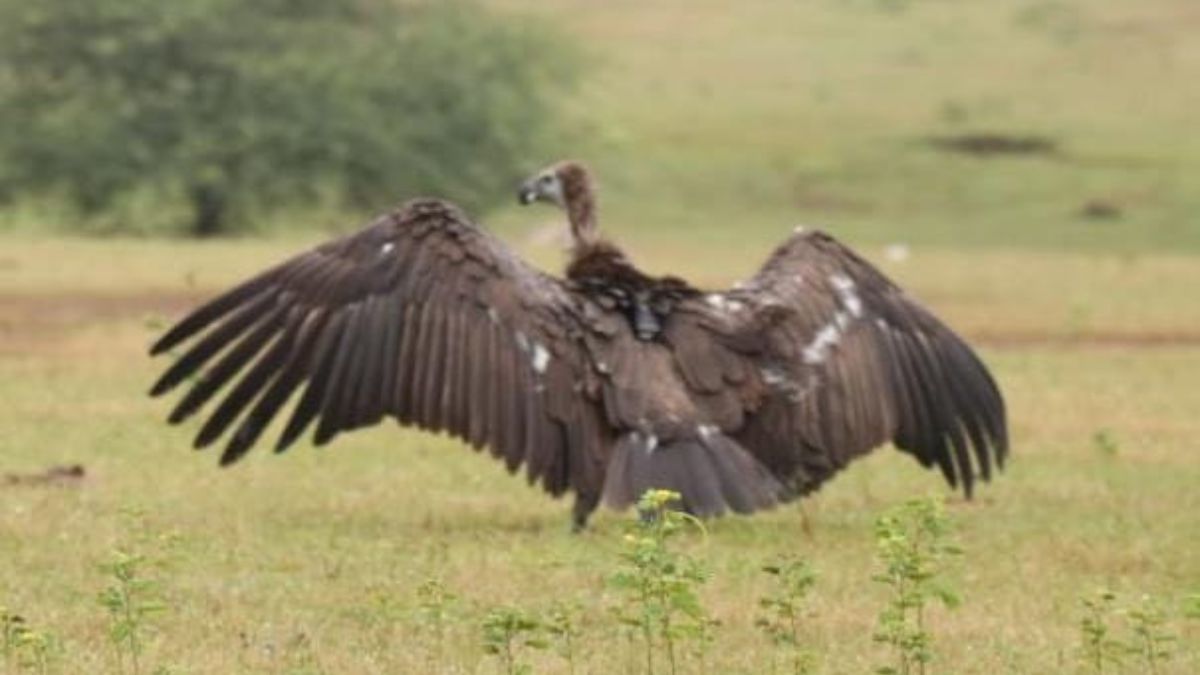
point(135, 593)
point(435, 605)
point(562, 624)
point(1099, 647)
point(794, 578)
point(213, 110)
point(914, 547)
point(24, 648)
point(659, 585)
point(506, 630)
point(1147, 640)
point(1152, 641)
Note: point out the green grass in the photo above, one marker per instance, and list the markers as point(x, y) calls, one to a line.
point(290, 564)
point(714, 121)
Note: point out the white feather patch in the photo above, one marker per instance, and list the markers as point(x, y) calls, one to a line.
point(723, 303)
point(841, 320)
point(773, 376)
point(844, 286)
point(817, 350)
point(854, 304)
point(783, 383)
point(648, 441)
point(541, 357)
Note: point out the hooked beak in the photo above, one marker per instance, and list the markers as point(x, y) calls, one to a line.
point(527, 193)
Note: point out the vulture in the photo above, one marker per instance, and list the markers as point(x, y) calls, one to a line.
point(606, 382)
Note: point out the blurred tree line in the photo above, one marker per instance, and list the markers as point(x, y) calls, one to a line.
point(223, 109)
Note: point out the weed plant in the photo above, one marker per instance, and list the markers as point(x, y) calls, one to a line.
point(783, 609)
point(659, 585)
point(24, 648)
point(134, 596)
point(914, 547)
point(509, 630)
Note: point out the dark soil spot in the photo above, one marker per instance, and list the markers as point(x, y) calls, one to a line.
point(992, 144)
point(55, 476)
point(30, 322)
point(1099, 209)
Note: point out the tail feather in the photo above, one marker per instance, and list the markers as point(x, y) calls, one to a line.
point(712, 473)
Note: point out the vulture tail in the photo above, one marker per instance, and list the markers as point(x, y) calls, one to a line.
point(711, 472)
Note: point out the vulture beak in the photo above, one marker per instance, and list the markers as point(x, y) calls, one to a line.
point(528, 192)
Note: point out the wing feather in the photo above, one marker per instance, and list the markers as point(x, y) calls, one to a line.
point(407, 364)
point(281, 390)
point(841, 360)
point(334, 404)
point(249, 386)
point(433, 377)
point(229, 365)
point(234, 299)
point(421, 316)
point(421, 348)
point(318, 372)
point(479, 394)
point(368, 399)
point(201, 352)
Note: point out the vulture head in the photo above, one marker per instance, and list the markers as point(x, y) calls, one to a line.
point(544, 186)
point(568, 185)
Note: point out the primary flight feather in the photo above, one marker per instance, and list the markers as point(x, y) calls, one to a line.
point(607, 382)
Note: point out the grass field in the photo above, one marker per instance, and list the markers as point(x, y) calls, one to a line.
point(718, 131)
point(818, 112)
point(310, 562)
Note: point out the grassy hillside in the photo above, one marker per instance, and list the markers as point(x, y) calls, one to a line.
point(717, 120)
point(713, 121)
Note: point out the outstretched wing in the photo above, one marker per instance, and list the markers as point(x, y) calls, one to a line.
point(421, 316)
point(845, 361)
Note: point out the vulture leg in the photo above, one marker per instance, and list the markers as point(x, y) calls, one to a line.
point(585, 504)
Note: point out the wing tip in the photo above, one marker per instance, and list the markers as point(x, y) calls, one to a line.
point(179, 414)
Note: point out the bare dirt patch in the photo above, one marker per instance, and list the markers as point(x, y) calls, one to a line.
point(36, 323)
point(33, 323)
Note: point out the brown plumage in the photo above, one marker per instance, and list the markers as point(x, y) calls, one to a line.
point(605, 383)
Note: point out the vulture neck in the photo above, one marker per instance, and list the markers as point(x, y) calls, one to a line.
point(581, 213)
